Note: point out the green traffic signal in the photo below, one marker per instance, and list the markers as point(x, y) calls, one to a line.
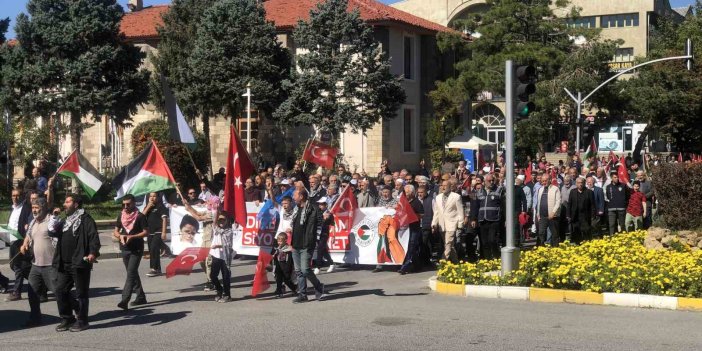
point(525, 108)
point(526, 86)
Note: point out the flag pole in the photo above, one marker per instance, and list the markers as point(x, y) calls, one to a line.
point(303, 153)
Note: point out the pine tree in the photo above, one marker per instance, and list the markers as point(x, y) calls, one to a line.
point(343, 77)
point(72, 59)
point(236, 46)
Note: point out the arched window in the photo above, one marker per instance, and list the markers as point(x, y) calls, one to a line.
point(490, 124)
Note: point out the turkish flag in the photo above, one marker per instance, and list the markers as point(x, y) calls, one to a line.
point(404, 214)
point(260, 282)
point(345, 207)
point(622, 173)
point(527, 174)
point(239, 168)
point(183, 263)
point(320, 153)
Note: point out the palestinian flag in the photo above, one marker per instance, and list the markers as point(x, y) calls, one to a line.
point(77, 167)
point(148, 172)
point(177, 126)
point(590, 152)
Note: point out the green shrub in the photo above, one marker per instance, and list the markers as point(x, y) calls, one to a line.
point(678, 188)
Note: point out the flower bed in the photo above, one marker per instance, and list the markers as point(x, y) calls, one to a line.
point(619, 264)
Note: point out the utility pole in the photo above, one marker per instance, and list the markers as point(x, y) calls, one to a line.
point(509, 253)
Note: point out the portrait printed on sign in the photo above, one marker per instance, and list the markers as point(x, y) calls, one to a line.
point(186, 231)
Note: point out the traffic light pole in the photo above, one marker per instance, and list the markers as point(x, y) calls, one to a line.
point(579, 101)
point(509, 253)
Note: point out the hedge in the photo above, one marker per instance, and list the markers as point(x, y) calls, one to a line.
point(678, 188)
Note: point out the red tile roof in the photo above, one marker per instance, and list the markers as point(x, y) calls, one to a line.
point(142, 24)
point(286, 13)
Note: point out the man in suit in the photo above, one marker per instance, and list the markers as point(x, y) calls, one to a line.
point(598, 195)
point(547, 209)
point(580, 211)
point(448, 217)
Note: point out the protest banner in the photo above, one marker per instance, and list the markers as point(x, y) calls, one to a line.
point(374, 237)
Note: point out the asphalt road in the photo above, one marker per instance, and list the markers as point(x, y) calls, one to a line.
point(365, 311)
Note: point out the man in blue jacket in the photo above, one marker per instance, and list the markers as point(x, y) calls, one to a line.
point(599, 205)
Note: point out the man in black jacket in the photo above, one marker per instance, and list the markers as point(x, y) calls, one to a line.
point(617, 198)
point(580, 211)
point(77, 249)
point(305, 228)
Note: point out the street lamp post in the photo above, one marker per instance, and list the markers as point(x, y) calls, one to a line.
point(688, 57)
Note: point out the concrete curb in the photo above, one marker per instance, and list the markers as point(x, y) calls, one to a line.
point(566, 296)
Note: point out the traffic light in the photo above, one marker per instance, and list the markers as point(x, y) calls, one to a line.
point(588, 132)
point(525, 86)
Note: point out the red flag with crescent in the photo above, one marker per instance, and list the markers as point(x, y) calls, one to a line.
point(320, 153)
point(345, 207)
point(404, 214)
point(239, 168)
point(183, 263)
point(260, 282)
point(527, 174)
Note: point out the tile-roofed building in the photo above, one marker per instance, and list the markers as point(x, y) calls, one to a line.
point(409, 42)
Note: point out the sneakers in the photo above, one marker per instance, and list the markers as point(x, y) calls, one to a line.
point(320, 295)
point(153, 273)
point(79, 326)
point(123, 305)
point(208, 287)
point(331, 268)
point(65, 325)
point(138, 302)
point(377, 270)
point(4, 283)
point(300, 299)
point(225, 299)
point(316, 271)
point(13, 297)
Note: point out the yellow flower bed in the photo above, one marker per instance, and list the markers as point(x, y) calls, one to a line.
point(618, 264)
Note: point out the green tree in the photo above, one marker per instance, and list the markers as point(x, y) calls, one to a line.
point(528, 32)
point(71, 59)
point(343, 77)
point(666, 95)
point(237, 46)
point(173, 151)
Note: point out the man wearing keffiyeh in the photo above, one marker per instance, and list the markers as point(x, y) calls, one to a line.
point(131, 229)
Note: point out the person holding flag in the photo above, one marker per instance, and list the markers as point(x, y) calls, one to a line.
point(409, 210)
point(221, 253)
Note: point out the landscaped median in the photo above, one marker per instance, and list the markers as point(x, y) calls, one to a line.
point(616, 270)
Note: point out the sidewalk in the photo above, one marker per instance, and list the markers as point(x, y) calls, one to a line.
point(109, 249)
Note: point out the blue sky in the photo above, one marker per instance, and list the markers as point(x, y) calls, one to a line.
point(11, 8)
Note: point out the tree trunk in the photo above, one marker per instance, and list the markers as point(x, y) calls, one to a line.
point(75, 131)
point(206, 131)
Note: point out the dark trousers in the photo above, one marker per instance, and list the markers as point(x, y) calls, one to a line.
point(426, 246)
point(616, 218)
point(224, 288)
point(412, 255)
point(155, 244)
point(131, 262)
point(563, 225)
point(465, 245)
point(65, 280)
point(323, 256)
point(489, 248)
point(581, 230)
point(19, 266)
point(301, 259)
point(40, 279)
point(544, 225)
point(282, 278)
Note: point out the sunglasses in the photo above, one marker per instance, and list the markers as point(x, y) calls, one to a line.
point(192, 193)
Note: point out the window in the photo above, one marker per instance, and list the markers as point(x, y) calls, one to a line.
point(408, 131)
point(409, 58)
point(582, 22)
point(243, 128)
point(624, 55)
point(620, 21)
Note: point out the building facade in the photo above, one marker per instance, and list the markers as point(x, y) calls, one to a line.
point(408, 40)
point(631, 21)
